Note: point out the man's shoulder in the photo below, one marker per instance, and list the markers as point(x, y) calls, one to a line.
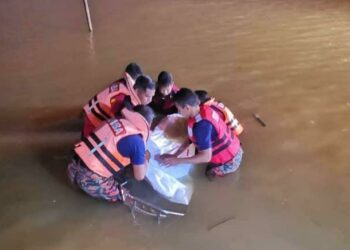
point(202, 126)
point(204, 123)
point(133, 139)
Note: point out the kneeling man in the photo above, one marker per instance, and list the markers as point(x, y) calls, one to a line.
point(100, 158)
point(212, 137)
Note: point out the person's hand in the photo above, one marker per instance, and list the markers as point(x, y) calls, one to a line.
point(170, 161)
point(167, 159)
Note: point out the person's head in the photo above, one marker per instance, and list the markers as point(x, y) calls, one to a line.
point(146, 112)
point(202, 95)
point(187, 102)
point(134, 70)
point(165, 83)
point(145, 89)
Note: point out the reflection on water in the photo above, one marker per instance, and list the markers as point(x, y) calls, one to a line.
point(288, 61)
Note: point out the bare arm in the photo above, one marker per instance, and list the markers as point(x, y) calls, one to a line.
point(140, 171)
point(203, 156)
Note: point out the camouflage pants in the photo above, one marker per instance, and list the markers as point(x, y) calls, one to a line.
point(93, 184)
point(227, 168)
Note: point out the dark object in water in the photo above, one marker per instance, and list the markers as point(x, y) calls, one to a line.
point(257, 117)
point(220, 223)
point(142, 198)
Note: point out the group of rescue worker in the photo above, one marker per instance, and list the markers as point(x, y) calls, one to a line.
point(117, 125)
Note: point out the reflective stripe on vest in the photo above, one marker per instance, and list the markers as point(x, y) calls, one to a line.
point(95, 108)
point(226, 115)
point(93, 150)
point(98, 109)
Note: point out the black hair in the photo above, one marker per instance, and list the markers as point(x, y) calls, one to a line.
point(164, 79)
point(134, 70)
point(146, 111)
point(144, 82)
point(185, 97)
point(202, 95)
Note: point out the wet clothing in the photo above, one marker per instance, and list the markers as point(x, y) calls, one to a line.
point(164, 105)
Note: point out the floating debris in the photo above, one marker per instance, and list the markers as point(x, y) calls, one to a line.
point(220, 223)
point(258, 118)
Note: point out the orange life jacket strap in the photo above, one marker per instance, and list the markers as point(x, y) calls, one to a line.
point(101, 114)
point(98, 156)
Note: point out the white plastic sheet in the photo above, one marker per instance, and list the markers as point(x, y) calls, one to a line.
point(165, 179)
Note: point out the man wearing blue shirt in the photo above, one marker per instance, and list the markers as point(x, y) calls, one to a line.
point(100, 159)
point(210, 135)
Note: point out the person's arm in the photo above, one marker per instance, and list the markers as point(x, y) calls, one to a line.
point(133, 147)
point(140, 171)
point(202, 156)
point(203, 135)
point(179, 151)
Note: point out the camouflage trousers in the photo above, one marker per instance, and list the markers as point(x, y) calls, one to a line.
point(227, 168)
point(91, 183)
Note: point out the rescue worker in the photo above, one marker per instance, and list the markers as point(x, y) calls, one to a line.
point(162, 102)
point(210, 135)
point(224, 112)
point(122, 93)
point(102, 157)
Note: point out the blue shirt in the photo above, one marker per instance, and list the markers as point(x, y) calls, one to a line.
point(133, 147)
point(204, 133)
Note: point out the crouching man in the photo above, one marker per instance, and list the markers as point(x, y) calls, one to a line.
point(131, 90)
point(209, 133)
point(100, 158)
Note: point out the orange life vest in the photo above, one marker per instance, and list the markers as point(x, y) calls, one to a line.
point(225, 146)
point(98, 109)
point(226, 115)
point(99, 150)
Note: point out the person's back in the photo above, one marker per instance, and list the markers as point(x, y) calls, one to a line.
point(102, 156)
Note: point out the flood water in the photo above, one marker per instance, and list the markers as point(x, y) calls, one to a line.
point(288, 61)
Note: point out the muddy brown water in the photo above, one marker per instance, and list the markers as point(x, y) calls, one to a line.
point(288, 61)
